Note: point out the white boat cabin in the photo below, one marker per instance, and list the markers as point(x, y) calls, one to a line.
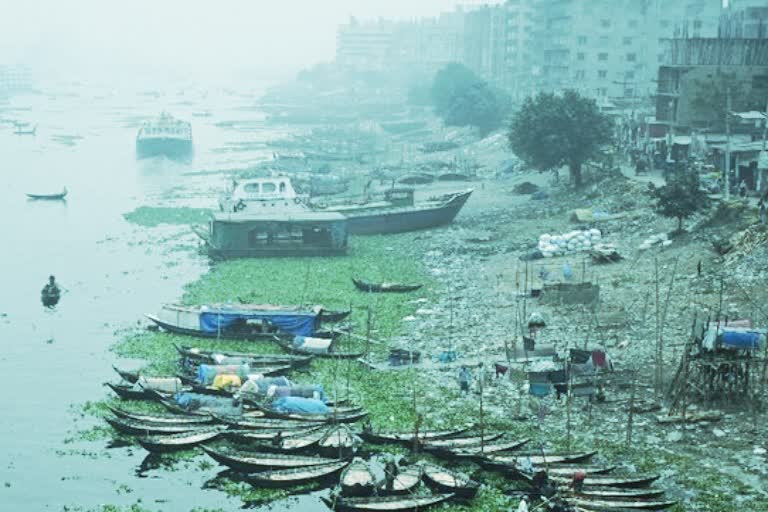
point(257, 195)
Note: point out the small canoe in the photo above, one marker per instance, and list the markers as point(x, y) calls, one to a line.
point(160, 418)
point(330, 316)
point(142, 428)
point(56, 196)
point(297, 476)
point(598, 481)
point(461, 442)
point(407, 437)
point(340, 415)
point(358, 479)
point(560, 470)
point(130, 377)
point(519, 460)
point(330, 353)
point(608, 493)
point(486, 449)
point(338, 439)
point(302, 441)
point(266, 423)
point(387, 503)
point(208, 356)
point(405, 482)
point(605, 505)
point(249, 462)
point(384, 287)
point(444, 480)
point(127, 392)
point(170, 443)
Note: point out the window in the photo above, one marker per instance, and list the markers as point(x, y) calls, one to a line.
point(580, 56)
point(252, 188)
point(582, 40)
point(697, 24)
point(627, 41)
point(629, 75)
point(602, 73)
point(268, 188)
point(602, 91)
point(632, 23)
point(760, 82)
point(631, 57)
point(605, 23)
point(602, 56)
point(580, 75)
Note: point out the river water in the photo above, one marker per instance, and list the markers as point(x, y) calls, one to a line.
point(52, 362)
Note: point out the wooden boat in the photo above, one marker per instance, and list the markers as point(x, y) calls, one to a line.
point(595, 481)
point(478, 451)
point(316, 347)
point(130, 377)
point(270, 435)
point(141, 428)
point(176, 409)
point(357, 479)
point(405, 482)
point(339, 415)
point(386, 503)
point(181, 441)
point(384, 287)
point(518, 460)
point(460, 442)
point(207, 356)
point(608, 493)
point(237, 321)
point(554, 470)
point(400, 213)
point(301, 442)
point(605, 505)
point(249, 462)
point(339, 439)
point(57, 196)
point(127, 392)
point(263, 423)
point(407, 438)
point(297, 476)
point(446, 481)
point(174, 419)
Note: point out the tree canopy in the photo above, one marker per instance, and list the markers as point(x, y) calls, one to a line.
point(550, 131)
point(709, 100)
point(451, 80)
point(680, 197)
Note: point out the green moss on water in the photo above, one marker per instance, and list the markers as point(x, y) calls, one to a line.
point(153, 216)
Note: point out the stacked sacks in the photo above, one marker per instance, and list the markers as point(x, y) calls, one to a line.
point(569, 243)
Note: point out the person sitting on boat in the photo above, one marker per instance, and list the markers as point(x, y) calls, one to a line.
point(544, 485)
point(51, 292)
point(278, 439)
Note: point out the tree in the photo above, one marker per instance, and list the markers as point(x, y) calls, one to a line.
point(451, 80)
point(550, 131)
point(680, 197)
point(709, 100)
point(477, 105)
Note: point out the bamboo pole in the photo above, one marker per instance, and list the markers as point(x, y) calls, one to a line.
point(631, 412)
point(657, 377)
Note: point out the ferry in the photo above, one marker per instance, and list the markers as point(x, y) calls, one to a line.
point(164, 136)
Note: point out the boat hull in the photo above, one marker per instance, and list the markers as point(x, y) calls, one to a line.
point(163, 146)
point(406, 219)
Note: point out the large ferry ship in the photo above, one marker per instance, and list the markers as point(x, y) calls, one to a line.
point(166, 136)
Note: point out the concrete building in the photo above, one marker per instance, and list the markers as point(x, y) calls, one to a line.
point(14, 80)
point(518, 77)
point(485, 33)
point(365, 45)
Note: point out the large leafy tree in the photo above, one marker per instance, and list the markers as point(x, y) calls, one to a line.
point(451, 80)
point(680, 197)
point(709, 100)
point(551, 130)
point(478, 105)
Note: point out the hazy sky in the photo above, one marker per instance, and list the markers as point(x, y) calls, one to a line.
point(200, 36)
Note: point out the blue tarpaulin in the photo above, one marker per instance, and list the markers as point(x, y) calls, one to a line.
point(296, 323)
point(295, 404)
point(741, 339)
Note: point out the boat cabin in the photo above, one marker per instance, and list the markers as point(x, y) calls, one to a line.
point(277, 234)
point(399, 196)
point(256, 195)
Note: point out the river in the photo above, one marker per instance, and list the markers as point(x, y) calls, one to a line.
point(53, 362)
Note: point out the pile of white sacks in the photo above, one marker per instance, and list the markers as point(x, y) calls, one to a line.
point(569, 243)
point(649, 242)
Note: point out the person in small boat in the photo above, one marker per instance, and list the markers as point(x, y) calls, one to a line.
point(278, 439)
point(51, 293)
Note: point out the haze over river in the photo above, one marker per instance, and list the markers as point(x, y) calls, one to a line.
point(113, 272)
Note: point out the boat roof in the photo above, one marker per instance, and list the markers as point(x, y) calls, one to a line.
point(308, 216)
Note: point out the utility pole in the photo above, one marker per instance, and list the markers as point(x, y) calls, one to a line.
point(762, 160)
point(727, 179)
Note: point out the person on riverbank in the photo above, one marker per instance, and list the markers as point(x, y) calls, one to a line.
point(465, 377)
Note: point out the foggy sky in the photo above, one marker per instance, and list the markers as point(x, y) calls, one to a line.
point(198, 37)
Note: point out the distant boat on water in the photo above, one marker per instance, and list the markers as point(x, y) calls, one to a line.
point(49, 197)
point(164, 136)
point(22, 129)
